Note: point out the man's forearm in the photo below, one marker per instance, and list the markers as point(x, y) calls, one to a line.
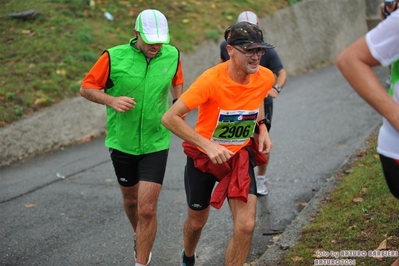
point(176, 91)
point(282, 78)
point(96, 95)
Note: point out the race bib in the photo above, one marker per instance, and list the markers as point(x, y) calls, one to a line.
point(234, 127)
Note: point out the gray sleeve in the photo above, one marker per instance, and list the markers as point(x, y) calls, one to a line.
point(271, 60)
point(223, 52)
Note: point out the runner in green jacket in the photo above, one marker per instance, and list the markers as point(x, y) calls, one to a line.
point(133, 80)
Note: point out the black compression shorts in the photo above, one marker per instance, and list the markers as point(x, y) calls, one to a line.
point(391, 172)
point(199, 185)
point(130, 169)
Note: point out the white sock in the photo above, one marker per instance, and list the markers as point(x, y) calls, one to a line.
point(261, 177)
point(138, 264)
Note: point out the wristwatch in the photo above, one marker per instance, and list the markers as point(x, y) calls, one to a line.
point(277, 88)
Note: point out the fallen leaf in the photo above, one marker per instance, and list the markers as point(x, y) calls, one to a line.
point(29, 205)
point(296, 258)
point(61, 72)
point(275, 238)
point(383, 245)
point(303, 204)
point(87, 139)
point(26, 31)
point(326, 199)
point(357, 200)
point(40, 101)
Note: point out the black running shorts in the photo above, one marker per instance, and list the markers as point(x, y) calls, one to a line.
point(130, 169)
point(391, 172)
point(199, 185)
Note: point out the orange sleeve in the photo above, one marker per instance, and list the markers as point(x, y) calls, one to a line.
point(178, 78)
point(98, 74)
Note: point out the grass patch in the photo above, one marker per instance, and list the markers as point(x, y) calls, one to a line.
point(44, 59)
point(360, 214)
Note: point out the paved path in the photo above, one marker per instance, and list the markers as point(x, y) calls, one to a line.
point(79, 220)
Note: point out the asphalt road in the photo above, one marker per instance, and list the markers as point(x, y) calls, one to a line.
point(65, 207)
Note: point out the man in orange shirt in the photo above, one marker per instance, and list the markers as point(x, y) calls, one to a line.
point(270, 60)
point(133, 80)
point(229, 98)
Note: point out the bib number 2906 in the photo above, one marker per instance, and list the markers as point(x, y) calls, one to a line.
point(235, 132)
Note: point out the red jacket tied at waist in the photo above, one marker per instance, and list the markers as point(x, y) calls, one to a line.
point(234, 180)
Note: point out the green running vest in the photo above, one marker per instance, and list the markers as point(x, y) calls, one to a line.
point(140, 131)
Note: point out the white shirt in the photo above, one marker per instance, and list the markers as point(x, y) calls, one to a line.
point(383, 42)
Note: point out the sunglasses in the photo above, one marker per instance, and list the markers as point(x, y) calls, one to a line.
point(251, 52)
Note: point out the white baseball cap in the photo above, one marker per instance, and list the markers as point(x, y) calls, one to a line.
point(152, 26)
point(248, 16)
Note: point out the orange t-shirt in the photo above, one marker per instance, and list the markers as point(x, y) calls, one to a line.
point(227, 111)
point(98, 74)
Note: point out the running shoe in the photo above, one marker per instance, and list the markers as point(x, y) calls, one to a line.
point(134, 251)
point(262, 185)
point(183, 263)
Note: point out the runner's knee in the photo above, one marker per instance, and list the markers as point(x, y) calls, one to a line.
point(245, 226)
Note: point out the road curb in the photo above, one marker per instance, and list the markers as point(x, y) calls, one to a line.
point(66, 123)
